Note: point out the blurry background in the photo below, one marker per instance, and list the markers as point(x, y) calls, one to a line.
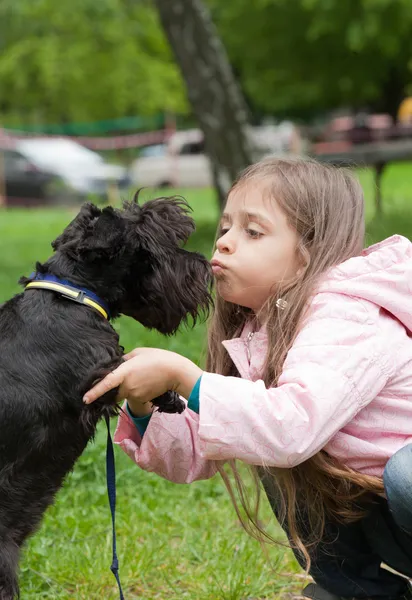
point(186, 93)
point(100, 98)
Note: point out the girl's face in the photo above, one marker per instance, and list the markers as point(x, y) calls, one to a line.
point(256, 252)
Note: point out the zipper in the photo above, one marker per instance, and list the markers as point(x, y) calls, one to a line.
point(247, 343)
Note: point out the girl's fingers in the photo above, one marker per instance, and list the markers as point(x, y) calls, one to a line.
point(111, 381)
point(131, 354)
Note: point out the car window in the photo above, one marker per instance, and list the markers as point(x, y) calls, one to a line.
point(155, 150)
point(192, 148)
point(13, 161)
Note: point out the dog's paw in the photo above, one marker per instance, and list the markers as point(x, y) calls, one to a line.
point(170, 402)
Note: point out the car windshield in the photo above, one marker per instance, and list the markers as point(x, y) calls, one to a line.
point(56, 152)
point(155, 150)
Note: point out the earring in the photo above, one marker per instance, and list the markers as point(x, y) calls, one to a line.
point(281, 304)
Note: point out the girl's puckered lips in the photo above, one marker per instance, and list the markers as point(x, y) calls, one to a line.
point(217, 266)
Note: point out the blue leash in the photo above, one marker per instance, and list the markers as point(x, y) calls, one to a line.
point(111, 492)
point(110, 464)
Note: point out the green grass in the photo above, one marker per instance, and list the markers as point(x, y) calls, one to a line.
point(174, 541)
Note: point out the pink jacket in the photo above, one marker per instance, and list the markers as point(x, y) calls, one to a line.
point(346, 384)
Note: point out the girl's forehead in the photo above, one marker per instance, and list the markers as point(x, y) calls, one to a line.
point(251, 197)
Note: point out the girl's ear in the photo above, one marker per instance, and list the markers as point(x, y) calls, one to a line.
point(302, 261)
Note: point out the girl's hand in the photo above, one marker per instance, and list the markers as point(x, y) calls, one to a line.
point(147, 374)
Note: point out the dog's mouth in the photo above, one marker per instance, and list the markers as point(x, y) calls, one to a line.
point(177, 292)
point(166, 317)
point(166, 325)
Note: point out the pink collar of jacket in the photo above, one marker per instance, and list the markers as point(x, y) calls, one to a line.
point(241, 348)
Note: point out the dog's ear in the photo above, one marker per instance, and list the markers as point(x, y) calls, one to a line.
point(75, 230)
point(104, 238)
point(167, 220)
point(93, 234)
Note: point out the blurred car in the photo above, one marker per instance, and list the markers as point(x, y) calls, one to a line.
point(22, 183)
point(181, 161)
point(80, 169)
point(57, 171)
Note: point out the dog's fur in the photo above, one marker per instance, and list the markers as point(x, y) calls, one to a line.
point(52, 349)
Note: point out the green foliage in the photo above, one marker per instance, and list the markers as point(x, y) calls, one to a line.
point(174, 541)
point(80, 60)
point(308, 55)
point(84, 60)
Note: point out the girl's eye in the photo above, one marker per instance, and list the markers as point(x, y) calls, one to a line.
point(223, 231)
point(254, 234)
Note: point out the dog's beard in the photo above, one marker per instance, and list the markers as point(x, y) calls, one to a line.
point(176, 292)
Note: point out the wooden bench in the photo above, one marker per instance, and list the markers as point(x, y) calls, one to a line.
point(375, 154)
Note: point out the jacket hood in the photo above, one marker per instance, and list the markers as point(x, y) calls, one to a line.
point(382, 274)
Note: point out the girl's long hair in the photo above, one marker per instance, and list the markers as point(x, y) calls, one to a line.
point(325, 205)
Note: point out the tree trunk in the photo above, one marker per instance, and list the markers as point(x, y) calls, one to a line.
point(393, 91)
point(213, 92)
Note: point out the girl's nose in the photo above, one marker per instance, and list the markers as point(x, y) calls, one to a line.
point(226, 243)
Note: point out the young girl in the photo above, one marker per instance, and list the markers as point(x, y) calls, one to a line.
point(308, 377)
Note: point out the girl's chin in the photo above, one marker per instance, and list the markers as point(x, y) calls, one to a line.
point(229, 295)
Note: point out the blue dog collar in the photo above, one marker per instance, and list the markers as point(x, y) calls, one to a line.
point(68, 290)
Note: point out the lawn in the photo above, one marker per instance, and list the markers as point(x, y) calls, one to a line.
point(174, 541)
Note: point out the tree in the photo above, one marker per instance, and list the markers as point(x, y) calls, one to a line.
point(304, 56)
point(82, 60)
point(213, 92)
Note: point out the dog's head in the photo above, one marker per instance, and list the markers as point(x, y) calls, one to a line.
point(134, 259)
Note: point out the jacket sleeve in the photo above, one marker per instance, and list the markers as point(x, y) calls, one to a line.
point(339, 362)
point(169, 447)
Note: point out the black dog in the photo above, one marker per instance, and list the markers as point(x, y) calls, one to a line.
point(53, 349)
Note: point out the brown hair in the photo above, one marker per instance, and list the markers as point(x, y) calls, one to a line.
point(325, 206)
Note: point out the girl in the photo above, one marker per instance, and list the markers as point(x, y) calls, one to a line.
point(308, 377)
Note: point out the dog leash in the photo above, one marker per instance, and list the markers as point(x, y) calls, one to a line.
point(111, 492)
point(83, 296)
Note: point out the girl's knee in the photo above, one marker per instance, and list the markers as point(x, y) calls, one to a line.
point(397, 479)
point(397, 475)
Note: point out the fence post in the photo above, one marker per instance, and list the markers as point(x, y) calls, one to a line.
point(379, 168)
point(2, 180)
